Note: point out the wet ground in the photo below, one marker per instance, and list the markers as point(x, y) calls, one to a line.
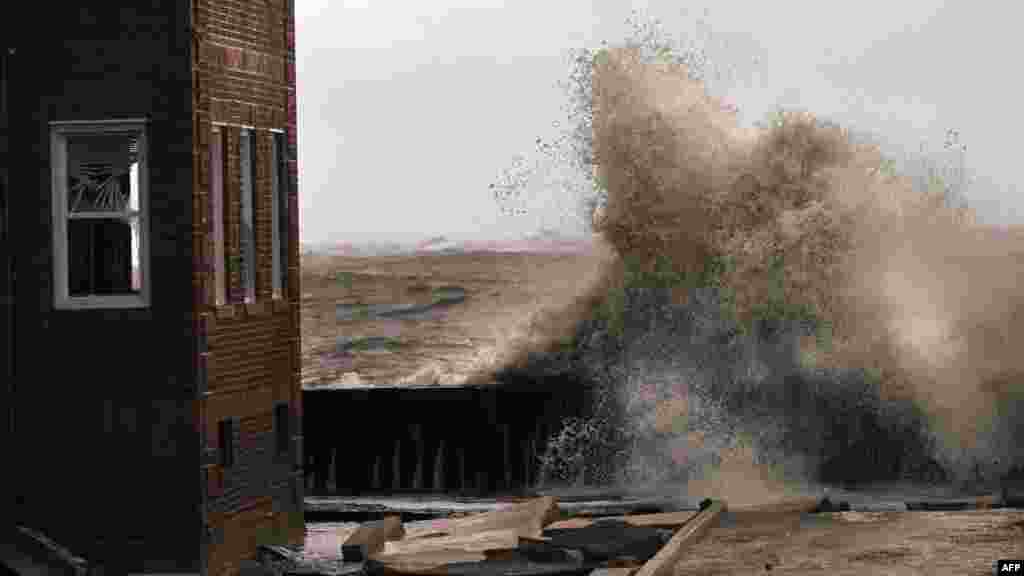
point(877, 537)
point(844, 543)
point(861, 543)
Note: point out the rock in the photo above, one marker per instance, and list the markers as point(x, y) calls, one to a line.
point(826, 505)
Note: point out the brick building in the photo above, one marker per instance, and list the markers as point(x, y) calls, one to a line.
point(149, 290)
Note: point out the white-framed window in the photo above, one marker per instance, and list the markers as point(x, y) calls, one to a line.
point(100, 192)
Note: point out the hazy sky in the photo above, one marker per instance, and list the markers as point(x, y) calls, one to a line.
point(408, 110)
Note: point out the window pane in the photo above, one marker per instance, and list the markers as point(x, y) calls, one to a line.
point(217, 213)
point(80, 240)
point(281, 203)
point(101, 177)
point(101, 253)
point(136, 256)
point(247, 240)
point(226, 441)
point(275, 213)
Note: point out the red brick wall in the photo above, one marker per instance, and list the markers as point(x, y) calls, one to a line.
point(293, 287)
point(250, 352)
point(243, 75)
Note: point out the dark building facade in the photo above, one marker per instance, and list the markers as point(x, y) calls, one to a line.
point(149, 292)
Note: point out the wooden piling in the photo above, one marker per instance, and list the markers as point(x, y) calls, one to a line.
point(539, 445)
point(416, 431)
point(480, 485)
point(333, 474)
point(396, 466)
point(439, 470)
point(506, 434)
point(375, 482)
point(320, 474)
point(528, 447)
point(463, 481)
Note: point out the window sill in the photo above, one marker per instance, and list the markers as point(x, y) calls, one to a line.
point(260, 308)
point(224, 311)
point(125, 302)
point(242, 310)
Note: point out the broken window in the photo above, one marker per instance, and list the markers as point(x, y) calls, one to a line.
point(247, 238)
point(99, 207)
point(216, 178)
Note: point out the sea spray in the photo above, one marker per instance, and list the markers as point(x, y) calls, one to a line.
point(789, 299)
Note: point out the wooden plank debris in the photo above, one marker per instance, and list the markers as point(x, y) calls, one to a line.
point(770, 511)
point(572, 523)
point(426, 563)
point(506, 563)
point(371, 537)
point(795, 505)
point(527, 519)
point(528, 539)
point(981, 503)
point(512, 541)
point(427, 528)
point(664, 561)
point(475, 542)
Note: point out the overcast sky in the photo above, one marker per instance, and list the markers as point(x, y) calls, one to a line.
point(409, 109)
